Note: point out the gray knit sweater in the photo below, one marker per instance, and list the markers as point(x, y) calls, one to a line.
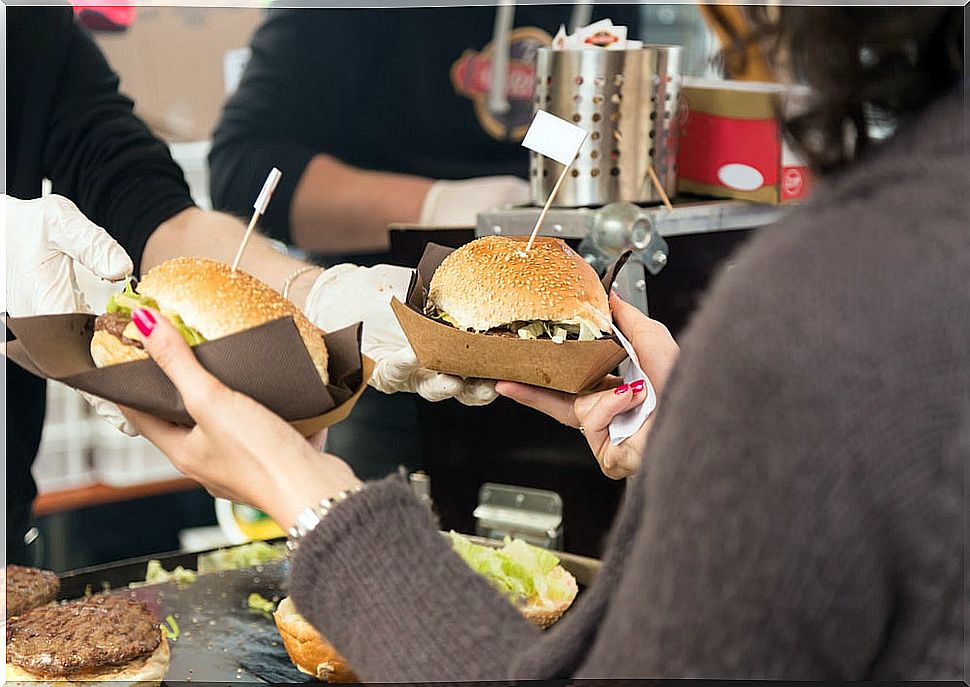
point(801, 508)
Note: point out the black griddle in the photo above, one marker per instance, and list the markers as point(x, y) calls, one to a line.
point(221, 639)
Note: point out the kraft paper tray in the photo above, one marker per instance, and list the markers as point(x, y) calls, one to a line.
point(571, 366)
point(269, 363)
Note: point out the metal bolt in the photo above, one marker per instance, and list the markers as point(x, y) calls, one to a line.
point(641, 285)
point(659, 257)
point(589, 257)
point(496, 229)
point(557, 228)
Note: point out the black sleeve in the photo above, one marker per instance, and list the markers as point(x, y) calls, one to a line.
point(99, 154)
point(290, 95)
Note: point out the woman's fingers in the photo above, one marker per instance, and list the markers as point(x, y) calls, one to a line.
point(596, 411)
point(555, 404)
point(318, 440)
point(655, 347)
point(170, 351)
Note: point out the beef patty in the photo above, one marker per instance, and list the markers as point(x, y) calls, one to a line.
point(82, 636)
point(114, 324)
point(29, 588)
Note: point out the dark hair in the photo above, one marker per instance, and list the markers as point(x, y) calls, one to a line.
point(865, 66)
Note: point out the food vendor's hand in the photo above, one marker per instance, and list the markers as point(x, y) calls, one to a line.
point(46, 238)
point(657, 352)
point(345, 294)
point(457, 203)
point(238, 449)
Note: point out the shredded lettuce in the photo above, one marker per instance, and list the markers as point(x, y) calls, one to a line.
point(518, 570)
point(578, 328)
point(258, 602)
point(170, 628)
point(128, 299)
point(156, 574)
point(243, 556)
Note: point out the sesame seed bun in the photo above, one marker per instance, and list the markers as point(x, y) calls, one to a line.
point(544, 614)
point(217, 302)
point(492, 282)
point(107, 349)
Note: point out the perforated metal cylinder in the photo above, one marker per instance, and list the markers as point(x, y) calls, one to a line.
point(627, 100)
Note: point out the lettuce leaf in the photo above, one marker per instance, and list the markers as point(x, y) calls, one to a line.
point(128, 299)
point(576, 328)
point(518, 570)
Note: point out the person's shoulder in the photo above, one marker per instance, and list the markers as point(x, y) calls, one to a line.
point(884, 244)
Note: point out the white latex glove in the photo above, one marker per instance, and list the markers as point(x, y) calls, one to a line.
point(345, 294)
point(44, 238)
point(457, 203)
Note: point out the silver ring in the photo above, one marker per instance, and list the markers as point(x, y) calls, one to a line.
point(582, 430)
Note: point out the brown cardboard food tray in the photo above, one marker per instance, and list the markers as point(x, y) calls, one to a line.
point(269, 363)
point(571, 366)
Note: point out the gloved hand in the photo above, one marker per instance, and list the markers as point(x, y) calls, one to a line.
point(456, 203)
point(345, 294)
point(47, 237)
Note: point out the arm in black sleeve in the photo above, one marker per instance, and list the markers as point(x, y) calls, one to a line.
point(99, 154)
point(291, 95)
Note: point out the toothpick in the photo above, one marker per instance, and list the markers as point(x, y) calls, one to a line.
point(660, 189)
point(259, 208)
point(545, 208)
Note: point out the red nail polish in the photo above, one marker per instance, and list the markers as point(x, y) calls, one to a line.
point(637, 386)
point(616, 294)
point(144, 320)
point(622, 389)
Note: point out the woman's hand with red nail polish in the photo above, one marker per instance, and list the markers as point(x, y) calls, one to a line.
point(238, 449)
point(594, 411)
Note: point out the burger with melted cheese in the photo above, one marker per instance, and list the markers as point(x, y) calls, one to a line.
point(493, 286)
point(204, 300)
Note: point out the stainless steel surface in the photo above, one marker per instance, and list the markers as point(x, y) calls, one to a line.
point(627, 100)
point(695, 217)
point(421, 486)
point(531, 514)
point(608, 231)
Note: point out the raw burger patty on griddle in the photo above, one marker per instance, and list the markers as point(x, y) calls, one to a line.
point(29, 588)
point(82, 636)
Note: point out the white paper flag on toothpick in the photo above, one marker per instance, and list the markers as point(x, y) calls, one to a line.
point(553, 137)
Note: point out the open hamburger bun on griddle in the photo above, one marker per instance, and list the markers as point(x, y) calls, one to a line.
point(312, 654)
point(205, 300)
point(96, 639)
point(309, 651)
point(492, 285)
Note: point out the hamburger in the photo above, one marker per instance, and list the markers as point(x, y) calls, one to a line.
point(100, 638)
point(530, 577)
point(493, 286)
point(204, 300)
point(27, 588)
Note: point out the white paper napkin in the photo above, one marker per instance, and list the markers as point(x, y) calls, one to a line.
point(627, 424)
